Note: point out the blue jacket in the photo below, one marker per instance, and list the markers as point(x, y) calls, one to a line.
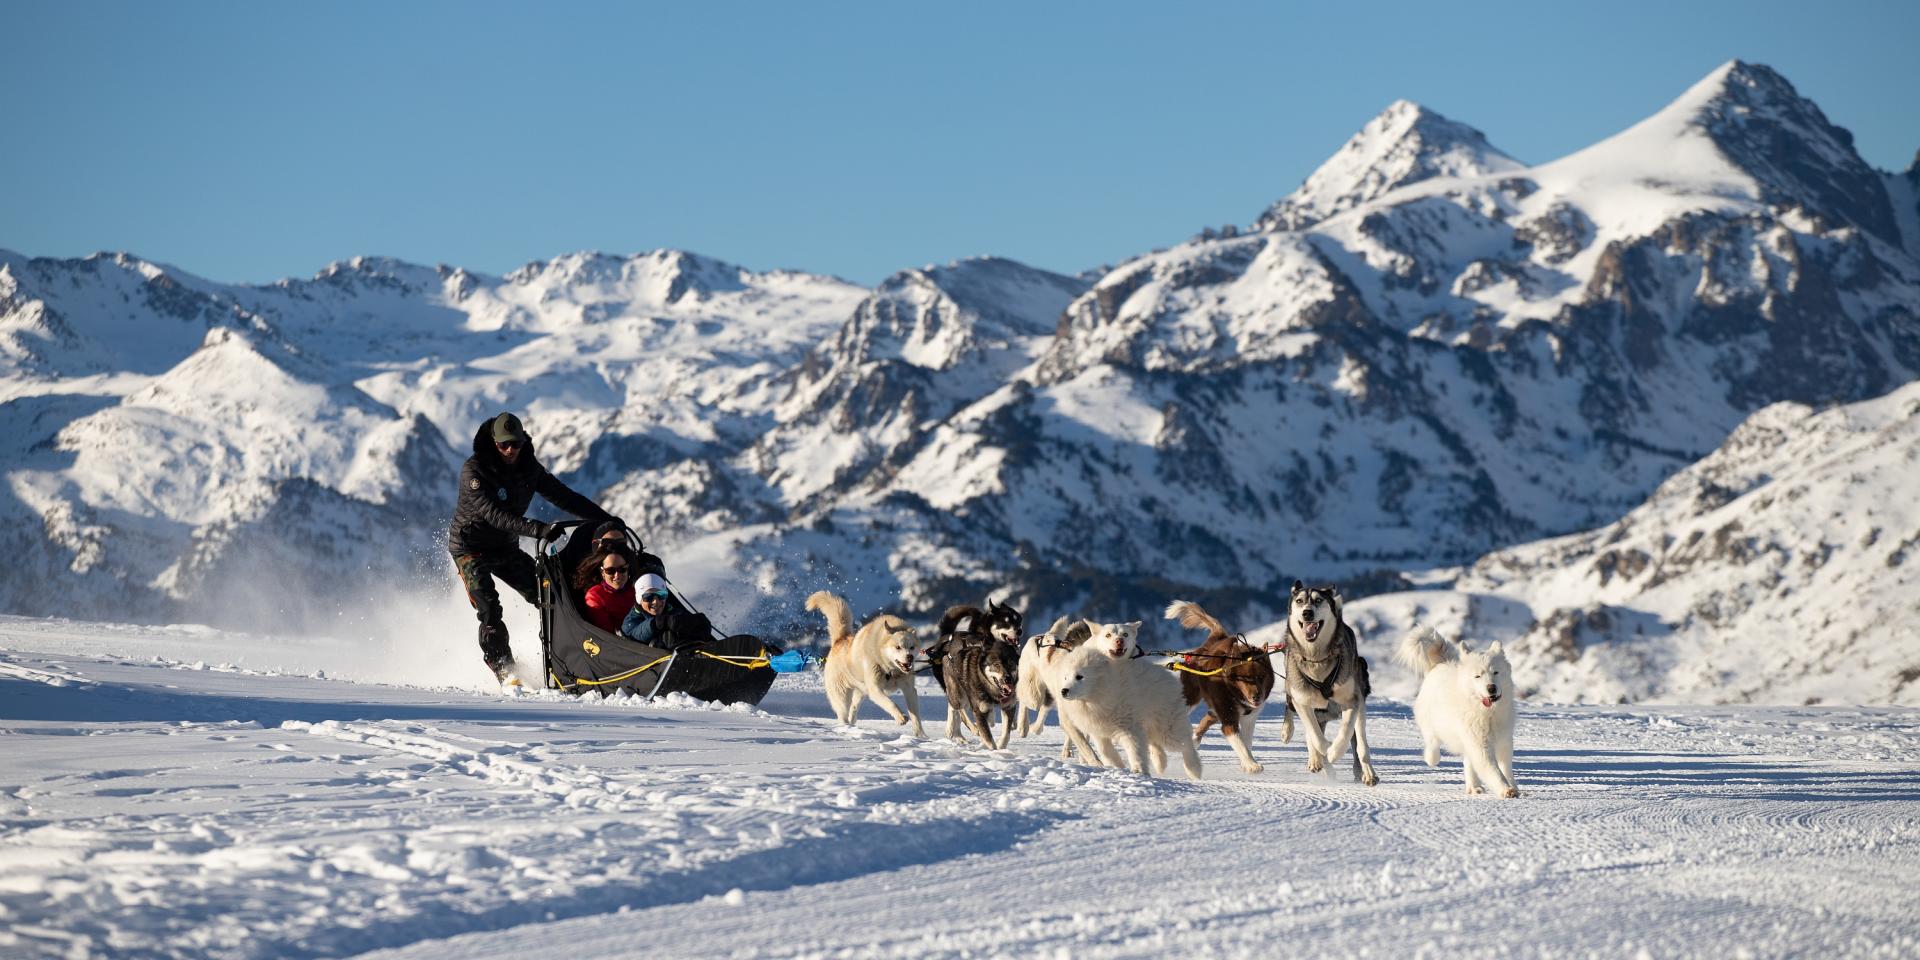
point(641, 627)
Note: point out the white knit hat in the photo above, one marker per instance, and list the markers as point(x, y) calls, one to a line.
point(651, 581)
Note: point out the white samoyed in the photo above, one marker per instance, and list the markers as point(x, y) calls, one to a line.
point(1041, 661)
point(1105, 693)
point(1465, 705)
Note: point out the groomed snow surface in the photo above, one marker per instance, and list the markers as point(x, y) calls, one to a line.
point(155, 801)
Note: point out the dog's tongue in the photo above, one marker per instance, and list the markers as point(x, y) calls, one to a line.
point(1486, 701)
point(1313, 630)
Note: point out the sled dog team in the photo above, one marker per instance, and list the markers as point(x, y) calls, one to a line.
point(1120, 708)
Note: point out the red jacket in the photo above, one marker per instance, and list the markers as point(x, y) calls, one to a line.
point(606, 608)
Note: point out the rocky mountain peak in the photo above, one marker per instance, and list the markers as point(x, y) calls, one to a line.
point(1766, 129)
point(1405, 144)
point(386, 273)
point(657, 276)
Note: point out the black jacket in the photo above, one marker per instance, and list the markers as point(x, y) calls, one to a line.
point(491, 515)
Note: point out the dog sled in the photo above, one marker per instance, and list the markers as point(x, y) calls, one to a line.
point(696, 659)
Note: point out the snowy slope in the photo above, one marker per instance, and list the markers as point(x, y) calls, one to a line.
point(175, 792)
point(1779, 569)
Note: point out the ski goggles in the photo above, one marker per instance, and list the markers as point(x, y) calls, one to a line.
point(654, 595)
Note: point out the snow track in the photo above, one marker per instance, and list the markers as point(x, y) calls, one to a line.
point(151, 808)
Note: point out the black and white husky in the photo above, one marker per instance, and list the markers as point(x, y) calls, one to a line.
point(966, 628)
point(1325, 670)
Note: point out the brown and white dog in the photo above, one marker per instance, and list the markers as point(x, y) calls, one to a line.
point(1231, 676)
point(877, 661)
point(1325, 670)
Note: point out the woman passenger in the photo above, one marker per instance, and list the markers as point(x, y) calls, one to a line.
point(607, 578)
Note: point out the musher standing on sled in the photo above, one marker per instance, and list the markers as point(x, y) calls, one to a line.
point(496, 486)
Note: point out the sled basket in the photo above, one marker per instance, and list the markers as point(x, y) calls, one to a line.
point(582, 658)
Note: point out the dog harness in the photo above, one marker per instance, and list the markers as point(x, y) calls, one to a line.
point(1323, 687)
point(1184, 663)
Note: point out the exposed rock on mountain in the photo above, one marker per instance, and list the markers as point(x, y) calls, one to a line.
point(927, 343)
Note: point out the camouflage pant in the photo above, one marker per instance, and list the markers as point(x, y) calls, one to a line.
point(477, 572)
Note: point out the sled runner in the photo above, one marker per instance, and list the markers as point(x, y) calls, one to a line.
point(580, 657)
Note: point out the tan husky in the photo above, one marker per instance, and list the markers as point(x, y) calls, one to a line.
point(876, 661)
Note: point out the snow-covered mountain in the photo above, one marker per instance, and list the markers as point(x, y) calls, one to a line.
point(1453, 365)
point(1783, 568)
point(233, 452)
point(1428, 352)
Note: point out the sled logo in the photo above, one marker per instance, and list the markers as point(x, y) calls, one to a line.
point(501, 493)
point(592, 649)
point(473, 484)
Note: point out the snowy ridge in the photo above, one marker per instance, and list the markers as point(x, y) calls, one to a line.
point(1778, 569)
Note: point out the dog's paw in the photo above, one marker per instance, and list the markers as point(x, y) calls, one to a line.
point(1370, 779)
point(1315, 765)
point(1476, 788)
point(1510, 792)
point(1248, 766)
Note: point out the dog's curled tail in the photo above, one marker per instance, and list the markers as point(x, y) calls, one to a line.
point(953, 616)
point(839, 618)
point(1058, 631)
point(1192, 617)
point(1424, 649)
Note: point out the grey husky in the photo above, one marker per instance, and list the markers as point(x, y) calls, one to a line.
point(1325, 670)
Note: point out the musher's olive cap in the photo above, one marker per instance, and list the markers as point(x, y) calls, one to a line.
point(507, 427)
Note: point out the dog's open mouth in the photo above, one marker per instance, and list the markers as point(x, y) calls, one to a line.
point(1311, 628)
point(1488, 701)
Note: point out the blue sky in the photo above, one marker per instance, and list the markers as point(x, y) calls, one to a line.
point(249, 142)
